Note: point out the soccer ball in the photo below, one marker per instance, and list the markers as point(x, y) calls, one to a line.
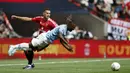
point(115, 66)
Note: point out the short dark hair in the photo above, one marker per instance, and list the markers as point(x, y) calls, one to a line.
point(46, 9)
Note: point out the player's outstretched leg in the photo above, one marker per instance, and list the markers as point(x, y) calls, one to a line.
point(13, 48)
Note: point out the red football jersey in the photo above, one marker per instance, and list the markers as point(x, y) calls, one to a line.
point(45, 24)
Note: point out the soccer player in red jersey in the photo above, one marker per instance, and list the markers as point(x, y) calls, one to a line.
point(46, 24)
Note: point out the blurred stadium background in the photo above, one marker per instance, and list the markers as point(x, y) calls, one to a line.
point(106, 20)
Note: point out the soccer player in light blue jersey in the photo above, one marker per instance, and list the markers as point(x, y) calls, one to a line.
point(44, 39)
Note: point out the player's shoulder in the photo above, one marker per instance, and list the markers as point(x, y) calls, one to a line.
point(63, 25)
point(51, 20)
point(39, 17)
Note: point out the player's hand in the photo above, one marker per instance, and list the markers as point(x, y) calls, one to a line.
point(70, 48)
point(13, 16)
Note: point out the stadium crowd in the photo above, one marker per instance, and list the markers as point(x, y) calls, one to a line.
point(106, 9)
point(6, 30)
point(78, 33)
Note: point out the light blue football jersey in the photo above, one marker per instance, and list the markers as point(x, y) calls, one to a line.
point(53, 34)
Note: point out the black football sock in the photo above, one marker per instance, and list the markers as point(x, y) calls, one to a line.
point(29, 56)
point(26, 54)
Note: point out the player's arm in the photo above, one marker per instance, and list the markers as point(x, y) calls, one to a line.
point(65, 43)
point(22, 18)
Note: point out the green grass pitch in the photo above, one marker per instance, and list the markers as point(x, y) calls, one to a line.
point(77, 65)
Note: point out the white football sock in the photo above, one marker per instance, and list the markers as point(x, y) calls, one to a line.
point(22, 46)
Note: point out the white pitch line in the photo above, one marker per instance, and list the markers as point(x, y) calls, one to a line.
point(62, 62)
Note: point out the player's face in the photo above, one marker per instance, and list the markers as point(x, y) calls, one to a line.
point(47, 14)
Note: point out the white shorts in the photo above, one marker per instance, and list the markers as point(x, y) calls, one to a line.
point(40, 41)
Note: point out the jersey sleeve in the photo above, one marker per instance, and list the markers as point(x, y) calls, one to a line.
point(53, 23)
point(63, 30)
point(36, 19)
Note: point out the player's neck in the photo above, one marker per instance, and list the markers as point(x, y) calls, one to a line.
point(45, 18)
